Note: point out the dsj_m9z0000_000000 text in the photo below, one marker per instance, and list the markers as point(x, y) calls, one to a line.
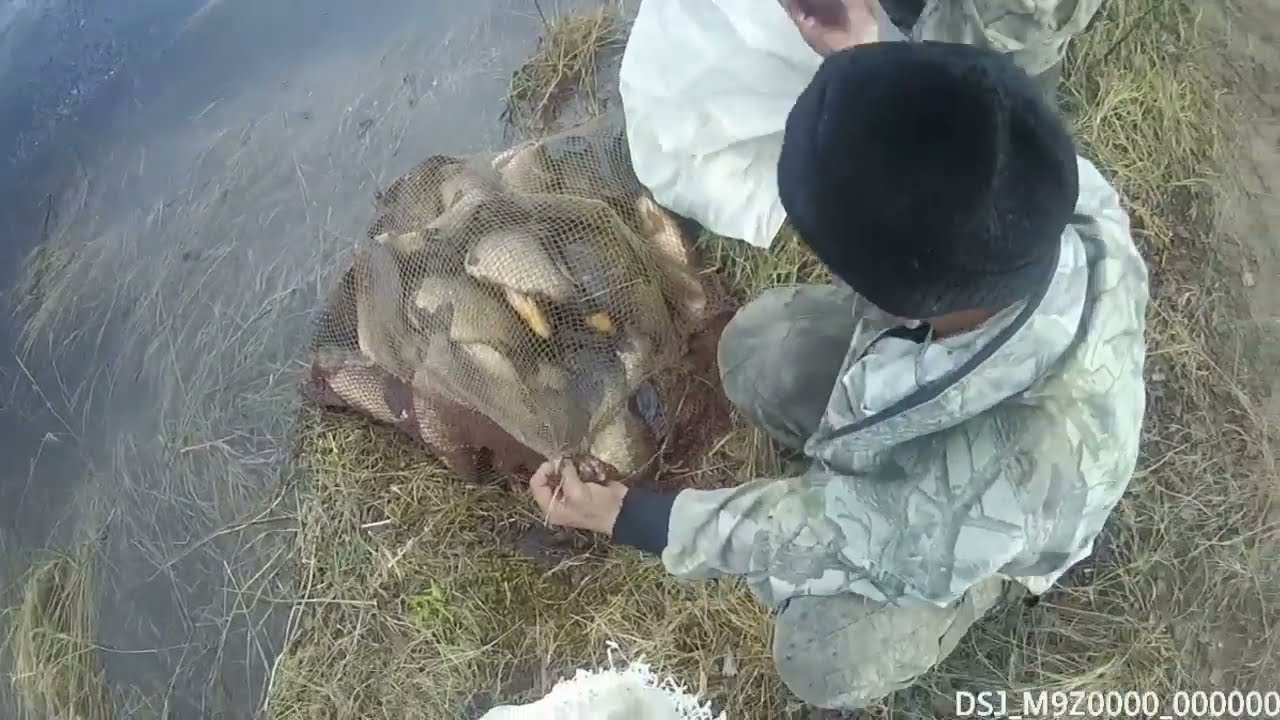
point(1117, 704)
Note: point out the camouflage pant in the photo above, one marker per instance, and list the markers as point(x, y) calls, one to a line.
point(779, 358)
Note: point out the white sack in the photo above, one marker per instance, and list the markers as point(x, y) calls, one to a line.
point(633, 693)
point(706, 86)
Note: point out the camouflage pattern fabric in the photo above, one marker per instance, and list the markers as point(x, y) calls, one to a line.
point(938, 469)
point(845, 651)
point(1036, 32)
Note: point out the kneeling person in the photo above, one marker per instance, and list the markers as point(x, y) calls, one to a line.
point(969, 396)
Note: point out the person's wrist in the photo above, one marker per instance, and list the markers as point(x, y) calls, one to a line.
point(619, 492)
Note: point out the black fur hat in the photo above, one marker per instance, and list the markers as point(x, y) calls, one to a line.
point(931, 177)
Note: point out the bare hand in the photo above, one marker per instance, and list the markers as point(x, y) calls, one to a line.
point(829, 26)
point(570, 501)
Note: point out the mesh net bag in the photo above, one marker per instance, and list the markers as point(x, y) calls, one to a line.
point(516, 307)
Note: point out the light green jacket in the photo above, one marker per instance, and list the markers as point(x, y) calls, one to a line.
point(999, 452)
point(1034, 32)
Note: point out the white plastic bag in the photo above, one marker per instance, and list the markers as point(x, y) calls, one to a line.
point(630, 693)
point(706, 87)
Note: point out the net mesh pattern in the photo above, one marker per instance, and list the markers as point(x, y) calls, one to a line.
point(514, 307)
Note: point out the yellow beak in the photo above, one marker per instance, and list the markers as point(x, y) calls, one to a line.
point(528, 310)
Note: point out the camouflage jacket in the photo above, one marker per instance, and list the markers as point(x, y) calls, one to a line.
point(999, 452)
point(1035, 32)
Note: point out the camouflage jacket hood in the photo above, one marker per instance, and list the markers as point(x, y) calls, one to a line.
point(999, 452)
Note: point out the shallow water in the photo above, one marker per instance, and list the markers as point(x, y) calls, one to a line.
point(193, 170)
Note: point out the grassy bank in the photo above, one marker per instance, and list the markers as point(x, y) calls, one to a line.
point(420, 597)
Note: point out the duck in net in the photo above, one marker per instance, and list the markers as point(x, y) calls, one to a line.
point(508, 309)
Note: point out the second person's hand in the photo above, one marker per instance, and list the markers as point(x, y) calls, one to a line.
point(829, 26)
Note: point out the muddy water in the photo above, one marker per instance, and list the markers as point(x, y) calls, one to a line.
point(193, 170)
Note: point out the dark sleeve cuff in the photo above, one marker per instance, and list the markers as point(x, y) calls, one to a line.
point(644, 519)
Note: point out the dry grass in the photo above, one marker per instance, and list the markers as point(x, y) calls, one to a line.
point(424, 601)
point(569, 55)
point(52, 639)
point(427, 596)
